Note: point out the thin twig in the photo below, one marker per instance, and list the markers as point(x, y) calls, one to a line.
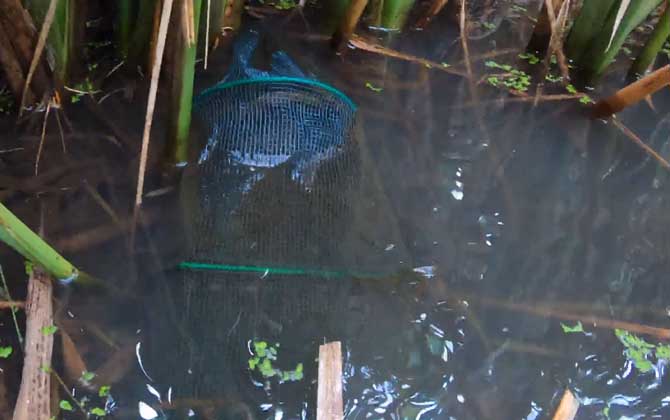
point(209, 4)
point(16, 322)
point(638, 141)
point(11, 304)
point(362, 44)
point(60, 132)
point(44, 131)
point(556, 39)
point(151, 104)
point(41, 42)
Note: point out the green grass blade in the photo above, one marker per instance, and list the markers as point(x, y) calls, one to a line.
point(605, 46)
point(653, 45)
point(395, 13)
point(588, 24)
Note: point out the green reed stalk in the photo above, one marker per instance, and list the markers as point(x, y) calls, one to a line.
point(183, 90)
point(17, 235)
point(653, 46)
point(140, 38)
point(587, 25)
point(125, 25)
point(605, 47)
point(395, 13)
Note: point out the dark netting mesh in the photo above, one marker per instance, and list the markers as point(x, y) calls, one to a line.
point(282, 182)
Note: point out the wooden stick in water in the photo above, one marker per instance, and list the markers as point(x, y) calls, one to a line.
point(329, 394)
point(33, 402)
point(632, 93)
point(567, 408)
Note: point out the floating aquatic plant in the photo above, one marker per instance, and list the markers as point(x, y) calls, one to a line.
point(639, 351)
point(513, 78)
point(577, 328)
point(262, 362)
point(5, 352)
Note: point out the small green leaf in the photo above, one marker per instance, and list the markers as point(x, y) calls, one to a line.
point(97, 411)
point(65, 405)
point(45, 368)
point(104, 391)
point(49, 330)
point(553, 79)
point(571, 89)
point(445, 65)
point(488, 25)
point(260, 348)
point(663, 351)
point(5, 352)
point(87, 376)
point(492, 80)
point(373, 87)
point(253, 362)
point(577, 328)
point(586, 99)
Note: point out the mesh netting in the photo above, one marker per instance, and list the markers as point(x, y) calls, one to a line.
point(279, 183)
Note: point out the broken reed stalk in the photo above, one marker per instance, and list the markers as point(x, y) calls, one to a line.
point(632, 93)
point(151, 103)
point(435, 7)
point(653, 45)
point(37, 55)
point(329, 390)
point(362, 44)
point(638, 141)
point(185, 48)
point(567, 408)
point(33, 402)
point(26, 242)
point(346, 29)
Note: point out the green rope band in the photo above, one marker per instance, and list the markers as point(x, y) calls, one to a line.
point(188, 265)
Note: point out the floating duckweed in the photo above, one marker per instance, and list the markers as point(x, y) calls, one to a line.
point(87, 376)
point(49, 330)
point(264, 355)
point(99, 412)
point(586, 99)
point(5, 352)
point(639, 351)
point(514, 79)
point(530, 57)
point(104, 391)
point(571, 88)
point(65, 405)
point(552, 78)
point(577, 328)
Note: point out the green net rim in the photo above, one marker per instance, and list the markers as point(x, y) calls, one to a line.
point(221, 86)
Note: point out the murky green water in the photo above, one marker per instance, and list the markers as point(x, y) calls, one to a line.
point(511, 240)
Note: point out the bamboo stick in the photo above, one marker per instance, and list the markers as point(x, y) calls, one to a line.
point(329, 393)
point(567, 408)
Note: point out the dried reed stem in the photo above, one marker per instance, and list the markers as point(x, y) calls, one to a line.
point(209, 6)
point(44, 131)
point(633, 93)
point(151, 104)
point(37, 55)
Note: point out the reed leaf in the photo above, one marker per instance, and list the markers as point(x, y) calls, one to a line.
point(653, 46)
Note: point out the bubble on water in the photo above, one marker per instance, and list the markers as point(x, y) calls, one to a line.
point(457, 194)
point(460, 398)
